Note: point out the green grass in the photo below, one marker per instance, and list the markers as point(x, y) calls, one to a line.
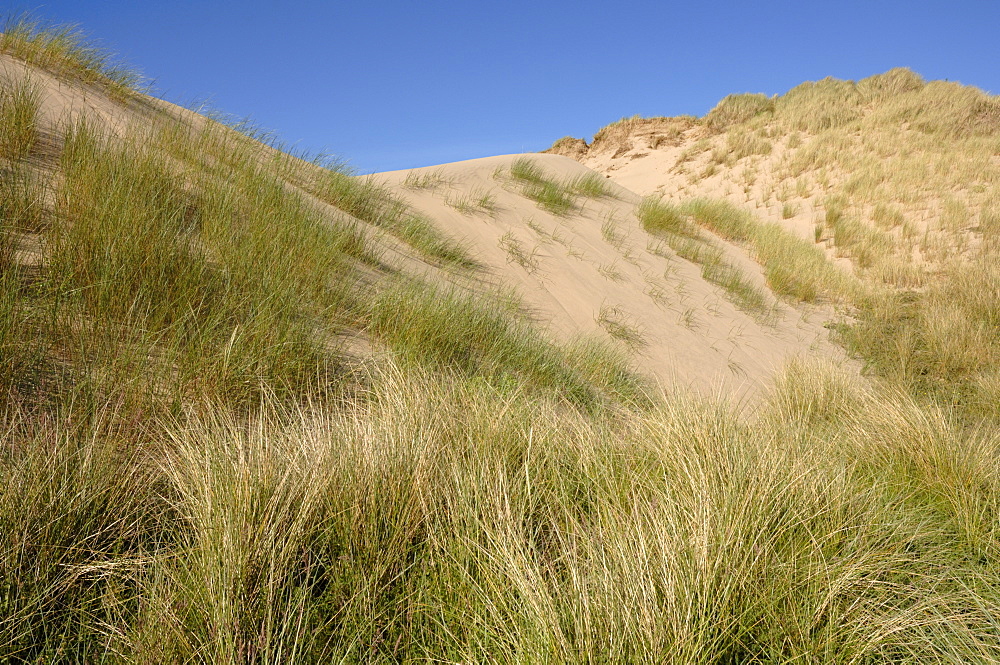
point(371, 202)
point(674, 225)
point(232, 306)
point(663, 218)
point(611, 271)
point(740, 290)
point(620, 327)
point(22, 200)
point(65, 51)
point(549, 194)
point(197, 469)
point(697, 250)
point(740, 144)
point(887, 217)
point(738, 109)
point(427, 180)
point(610, 232)
point(820, 105)
point(591, 185)
point(551, 197)
point(84, 502)
point(516, 253)
point(420, 233)
point(941, 341)
point(792, 266)
point(475, 202)
point(19, 106)
point(865, 244)
point(611, 369)
point(524, 169)
point(477, 336)
point(441, 517)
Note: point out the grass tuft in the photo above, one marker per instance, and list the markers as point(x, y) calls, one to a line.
point(620, 327)
point(475, 202)
point(65, 51)
point(792, 266)
point(517, 254)
point(19, 107)
point(737, 109)
point(553, 196)
point(591, 185)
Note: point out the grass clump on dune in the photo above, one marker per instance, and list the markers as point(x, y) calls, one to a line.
point(371, 202)
point(866, 245)
point(941, 342)
point(447, 329)
point(475, 202)
point(744, 294)
point(546, 192)
point(742, 144)
point(675, 225)
point(664, 218)
point(65, 51)
point(792, 266)
point(737, 109)
point(815, 106)
point(420, 233)
point(237, 279)
point(19, 107)
point(85, 505)
point(946, 109)
point(890, 84)
point(591, 185)
point(550, 194)
point(424, 180)
point(619, 326)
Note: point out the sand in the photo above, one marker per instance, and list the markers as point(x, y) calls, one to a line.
point(581, 279)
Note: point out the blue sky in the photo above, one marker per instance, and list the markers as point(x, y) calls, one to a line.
point(390, 85)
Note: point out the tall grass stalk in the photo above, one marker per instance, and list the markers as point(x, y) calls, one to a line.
point(19, 107)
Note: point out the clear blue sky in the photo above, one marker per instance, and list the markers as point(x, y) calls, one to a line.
point(390, 85)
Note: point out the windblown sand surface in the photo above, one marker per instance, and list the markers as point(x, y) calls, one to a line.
point(596, 271)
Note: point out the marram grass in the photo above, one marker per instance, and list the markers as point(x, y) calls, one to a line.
point(198, 468)
point(441, 518)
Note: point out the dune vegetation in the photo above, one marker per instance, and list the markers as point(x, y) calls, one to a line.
point(255, 409)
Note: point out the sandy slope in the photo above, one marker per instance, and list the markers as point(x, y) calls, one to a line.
point(691, 335)
point(591, 271)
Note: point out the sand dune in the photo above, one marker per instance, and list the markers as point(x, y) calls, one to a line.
point(594, 270)
point(589, 271)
